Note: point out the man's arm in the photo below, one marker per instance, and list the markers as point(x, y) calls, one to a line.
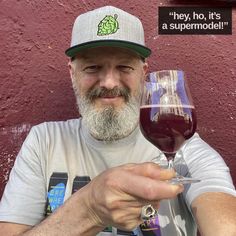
point(10, 229)
point(215, 214)
point(114, 197)
point(73, 218)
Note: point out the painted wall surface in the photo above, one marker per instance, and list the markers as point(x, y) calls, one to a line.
point(35, 84)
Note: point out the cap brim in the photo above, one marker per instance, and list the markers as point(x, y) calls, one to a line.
point(141, 50)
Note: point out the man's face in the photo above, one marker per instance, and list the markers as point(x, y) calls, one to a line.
point(107, 83)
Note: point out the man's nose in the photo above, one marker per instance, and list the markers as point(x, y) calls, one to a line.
point(109, 79)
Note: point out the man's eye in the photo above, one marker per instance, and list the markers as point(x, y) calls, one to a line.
point(91, 69)
point(125, 68)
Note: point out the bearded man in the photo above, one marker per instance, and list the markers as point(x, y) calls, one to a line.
point(94, 175)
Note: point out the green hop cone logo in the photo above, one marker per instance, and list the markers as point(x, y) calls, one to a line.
point(108, 25)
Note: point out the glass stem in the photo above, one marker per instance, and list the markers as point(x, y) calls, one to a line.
point(171, 163)
point(170, 158)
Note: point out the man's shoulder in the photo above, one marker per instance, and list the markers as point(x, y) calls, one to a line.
point(49, 127)
point(59, 124)
point(197, 143)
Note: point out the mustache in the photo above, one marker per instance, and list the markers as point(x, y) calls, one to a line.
point(104, 92)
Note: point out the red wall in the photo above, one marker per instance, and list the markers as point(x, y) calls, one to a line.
point(35, 84)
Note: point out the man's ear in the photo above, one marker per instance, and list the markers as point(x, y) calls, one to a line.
point(145, 70)
point(71, 68)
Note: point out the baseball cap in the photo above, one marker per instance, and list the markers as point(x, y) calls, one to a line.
point(107, 26)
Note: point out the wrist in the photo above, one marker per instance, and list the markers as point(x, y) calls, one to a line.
point(88, 223)
point(73, 218)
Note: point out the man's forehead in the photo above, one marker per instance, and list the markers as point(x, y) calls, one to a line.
point(99, 52)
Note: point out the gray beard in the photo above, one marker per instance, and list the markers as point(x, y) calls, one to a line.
point(109, 124)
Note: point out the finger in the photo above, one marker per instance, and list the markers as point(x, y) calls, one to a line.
point(125, 217)
point(147, 188)
point(131, 201)
point(138, 202)
point(152, 170)
point(155, 204)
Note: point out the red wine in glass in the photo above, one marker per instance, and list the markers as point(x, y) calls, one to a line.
point(167, 131)
point(167, 114)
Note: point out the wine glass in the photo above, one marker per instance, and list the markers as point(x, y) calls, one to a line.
point(167, 114)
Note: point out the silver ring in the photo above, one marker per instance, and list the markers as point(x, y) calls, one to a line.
point(148, 212)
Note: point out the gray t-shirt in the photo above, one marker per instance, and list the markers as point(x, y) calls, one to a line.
point(58, 158)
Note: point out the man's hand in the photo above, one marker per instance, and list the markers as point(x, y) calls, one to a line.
point(113, 198)
point(116, 196)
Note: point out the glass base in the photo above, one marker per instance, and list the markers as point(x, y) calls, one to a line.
point(183, 180)
point(179, 179)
